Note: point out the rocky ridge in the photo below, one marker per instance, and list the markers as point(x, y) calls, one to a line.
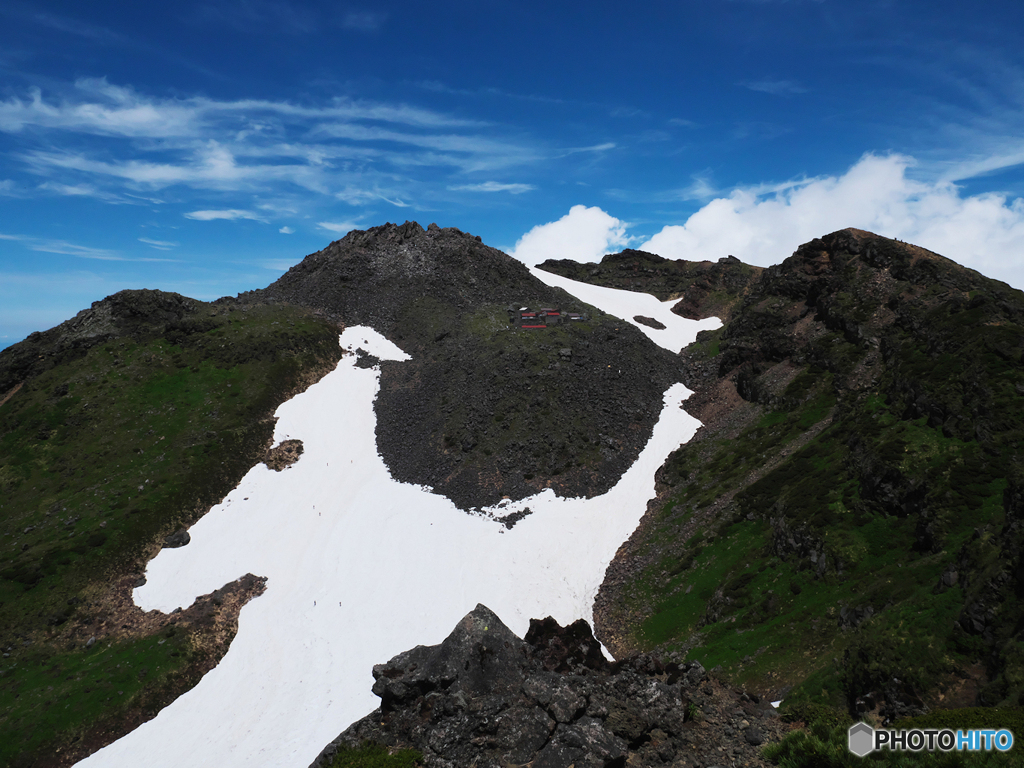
point(485, 697)
point(863, 413)
point(136, 313)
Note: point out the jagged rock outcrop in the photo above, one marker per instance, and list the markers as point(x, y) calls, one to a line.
point(486, 698)
point(482, 410)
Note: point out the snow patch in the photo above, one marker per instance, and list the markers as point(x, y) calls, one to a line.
point(678, 332)
point(361, 567)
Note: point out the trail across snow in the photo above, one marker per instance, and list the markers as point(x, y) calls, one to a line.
point(361, 567)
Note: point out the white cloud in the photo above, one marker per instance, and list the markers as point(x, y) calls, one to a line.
point(230, 214)
point(341, 227)
point(163, 245)
point(595, 148)
point(286, 231)
point(494, 186)
point(277, 265)
point(255, 146)
point(700, 188)
point(84, 190)
point(72, 190)
point(64, 248)
point(583, 234)
point(95, 106)
point(765, 225)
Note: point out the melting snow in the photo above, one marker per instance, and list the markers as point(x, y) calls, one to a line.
point(678, 331)
point(361, 567)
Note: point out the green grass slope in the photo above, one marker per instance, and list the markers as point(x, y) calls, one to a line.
point(143, 412)
point(847, 528)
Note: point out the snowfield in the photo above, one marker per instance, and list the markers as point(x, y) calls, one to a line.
point(678, 331)
point(361, 567)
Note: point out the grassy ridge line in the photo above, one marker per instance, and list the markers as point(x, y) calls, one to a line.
point(849, 523)
point(102, 455)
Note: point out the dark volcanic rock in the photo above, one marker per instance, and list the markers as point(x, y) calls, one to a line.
point(177, 539)
point(484, 697)
point(650, 322)
point(483, 410)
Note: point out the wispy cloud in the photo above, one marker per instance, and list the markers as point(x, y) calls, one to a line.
point(63, 247)
point(277, 265)
point(439, 87)
point(613, 110)
point(286, 231)
point(162, 245)
point(594, 148)
point(775, 87)
point(60, 23)
point(98, 107)
point(977, 131)
point(86, 190)
point(230, 214)
point(700, 188)
point(341, 227)
point(494, 186)
point(256, 147)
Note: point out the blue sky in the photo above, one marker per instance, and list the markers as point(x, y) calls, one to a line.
point(203, 147)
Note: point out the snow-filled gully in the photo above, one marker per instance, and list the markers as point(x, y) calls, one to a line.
point(361, 567)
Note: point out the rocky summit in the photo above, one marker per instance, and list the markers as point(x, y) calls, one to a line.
point(484, 411)
point(486, 698)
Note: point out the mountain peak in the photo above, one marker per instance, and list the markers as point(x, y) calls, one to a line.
point(366, 276)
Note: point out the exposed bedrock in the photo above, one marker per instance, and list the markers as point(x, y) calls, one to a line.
point(485, 697)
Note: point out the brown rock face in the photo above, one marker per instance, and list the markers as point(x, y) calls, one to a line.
point(283, 455)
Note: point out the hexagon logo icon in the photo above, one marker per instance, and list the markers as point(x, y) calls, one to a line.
point(861, 739)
